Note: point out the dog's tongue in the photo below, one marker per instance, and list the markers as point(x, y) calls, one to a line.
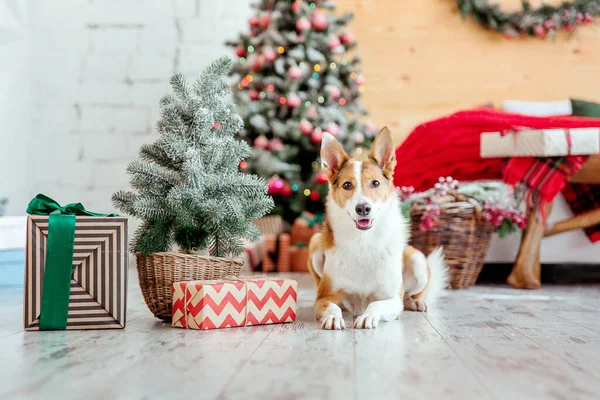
point(363, 223)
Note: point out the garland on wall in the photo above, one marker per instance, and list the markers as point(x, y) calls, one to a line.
point(540, 22)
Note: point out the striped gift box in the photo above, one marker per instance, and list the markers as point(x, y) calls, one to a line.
point(226, 304)
point(98, 293)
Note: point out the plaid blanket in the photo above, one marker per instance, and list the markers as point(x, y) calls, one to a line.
point(544, 178)
point(582, 198)
point(450, 146)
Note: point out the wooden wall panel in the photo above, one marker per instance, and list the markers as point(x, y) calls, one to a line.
point(421, 61)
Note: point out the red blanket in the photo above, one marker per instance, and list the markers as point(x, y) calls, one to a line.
point(449, 146)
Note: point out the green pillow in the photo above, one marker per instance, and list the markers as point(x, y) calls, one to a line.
point(582, 108)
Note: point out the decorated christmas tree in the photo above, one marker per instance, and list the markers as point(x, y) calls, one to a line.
point(294, 82)
point(188, 187)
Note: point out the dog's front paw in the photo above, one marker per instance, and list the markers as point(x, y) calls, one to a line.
point(366, 321)
point(415, 305)
point(333, 322)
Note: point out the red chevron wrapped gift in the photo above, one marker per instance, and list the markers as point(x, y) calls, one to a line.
point(225, 304)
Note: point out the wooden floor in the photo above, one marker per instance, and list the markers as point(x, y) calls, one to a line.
point(484, 343)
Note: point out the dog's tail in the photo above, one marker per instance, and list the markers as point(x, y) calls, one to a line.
point(440, 276)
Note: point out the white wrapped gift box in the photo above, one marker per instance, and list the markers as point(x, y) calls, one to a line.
point(541, 143)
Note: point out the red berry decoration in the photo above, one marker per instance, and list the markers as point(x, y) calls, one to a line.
point(253, 21)
point(240, 52)
point(296, 6)
point(315, 195)
point(322, 178)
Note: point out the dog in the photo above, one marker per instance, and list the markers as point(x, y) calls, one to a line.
point(360, 260)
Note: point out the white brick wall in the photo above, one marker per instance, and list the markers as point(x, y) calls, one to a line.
point(98, 71)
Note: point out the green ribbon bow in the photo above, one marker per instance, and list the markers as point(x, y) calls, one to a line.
point(59, 257)
point(319, 217)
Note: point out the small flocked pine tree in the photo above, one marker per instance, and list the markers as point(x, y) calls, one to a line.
point(295, 82)
point(188, 188)
point(2, 205)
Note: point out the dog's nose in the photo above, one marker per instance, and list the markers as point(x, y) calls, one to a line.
point(363, 209)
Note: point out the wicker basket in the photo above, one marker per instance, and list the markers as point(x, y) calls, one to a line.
point(464, 235)
point(158, 271)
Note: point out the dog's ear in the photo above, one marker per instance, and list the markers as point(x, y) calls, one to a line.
point(382, 152)
point(333, 155)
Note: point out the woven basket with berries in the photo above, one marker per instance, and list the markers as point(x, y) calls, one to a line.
point(461, 218)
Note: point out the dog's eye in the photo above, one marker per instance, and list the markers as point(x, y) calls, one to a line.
point(375, 184)
point(347, 186)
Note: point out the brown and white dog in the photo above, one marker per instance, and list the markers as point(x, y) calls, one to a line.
point(360, 260)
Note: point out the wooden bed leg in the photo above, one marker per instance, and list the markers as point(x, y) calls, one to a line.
point(526, 273)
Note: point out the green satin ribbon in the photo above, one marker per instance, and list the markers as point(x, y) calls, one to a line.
point(319, 217)
point(59, 257)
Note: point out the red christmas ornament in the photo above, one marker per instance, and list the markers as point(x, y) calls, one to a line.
point(322, 178)
point(261, 142)
point(253, 21)
point(358, 137)
point(312, 112)
point(346, 38)
point(240, 51)
point(334, 92)
point(302, 24)
point(256, 62)
point(293, 100)
point(305, 127)
point(316, 136)
point(264, 21)
point(269, 54)
point(332, 128)
point(253, 95)
point(318, 20)
point(286, 191)
point(294, 73)
point(370, 127)
point(217, 125)
point(296, 6)
point(315, 195)
point(274, 185)
point(334, 42)
point(276, 144)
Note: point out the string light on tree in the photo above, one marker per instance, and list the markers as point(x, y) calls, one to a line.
point(297, 86)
